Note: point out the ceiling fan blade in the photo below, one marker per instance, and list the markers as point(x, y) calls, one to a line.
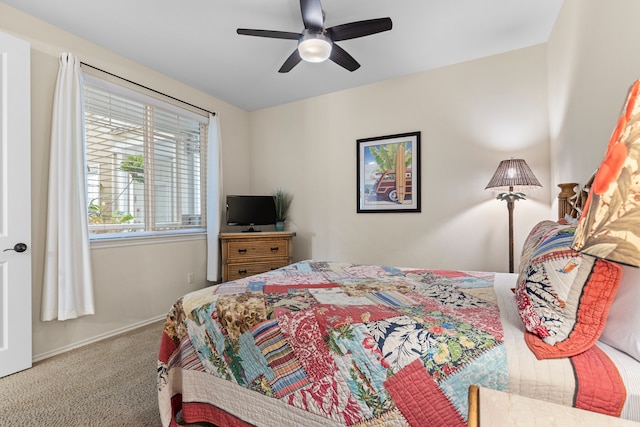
point(359, 29)
point(291, 62)
point(343, 59)
point(270, 34)
point(312, 14)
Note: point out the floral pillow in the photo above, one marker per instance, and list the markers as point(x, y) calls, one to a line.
point(563, 296)
point(609, 227)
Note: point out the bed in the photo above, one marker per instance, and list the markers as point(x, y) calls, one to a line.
point(321, 343)
point(328, 343)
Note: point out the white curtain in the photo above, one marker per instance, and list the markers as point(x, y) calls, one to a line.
point(214, 197)
point(67, 290)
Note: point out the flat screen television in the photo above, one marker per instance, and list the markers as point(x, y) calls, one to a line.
point(251, 210)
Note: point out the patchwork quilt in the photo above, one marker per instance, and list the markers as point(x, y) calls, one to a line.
point(325, 343)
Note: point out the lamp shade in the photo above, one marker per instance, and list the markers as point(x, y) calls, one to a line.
point(609, 227)
point(513, 175)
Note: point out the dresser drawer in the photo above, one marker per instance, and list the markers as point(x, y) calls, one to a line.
point(239, 271)
point(238, 250)
point(246, 254)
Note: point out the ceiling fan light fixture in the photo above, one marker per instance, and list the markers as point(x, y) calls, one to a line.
point(314, 47)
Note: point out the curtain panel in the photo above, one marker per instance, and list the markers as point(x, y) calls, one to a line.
point(215, 203)
point(67, 291)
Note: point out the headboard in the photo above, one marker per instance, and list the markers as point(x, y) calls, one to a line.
point(571, 200)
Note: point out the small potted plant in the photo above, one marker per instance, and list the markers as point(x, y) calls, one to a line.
point(283, 201)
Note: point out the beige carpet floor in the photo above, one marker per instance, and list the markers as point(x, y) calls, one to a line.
point(108, 383)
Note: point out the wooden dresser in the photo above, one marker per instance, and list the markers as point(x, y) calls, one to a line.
point(246, 254)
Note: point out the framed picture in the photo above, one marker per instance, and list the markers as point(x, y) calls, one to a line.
point(389, 173)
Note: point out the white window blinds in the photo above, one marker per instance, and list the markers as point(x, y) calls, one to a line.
point(146, 163)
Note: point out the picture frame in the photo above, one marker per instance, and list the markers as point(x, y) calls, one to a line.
point(384, 184)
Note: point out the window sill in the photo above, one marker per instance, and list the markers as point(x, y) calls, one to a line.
point(115, 241)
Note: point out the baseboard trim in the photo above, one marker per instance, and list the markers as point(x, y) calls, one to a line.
point(57, 351)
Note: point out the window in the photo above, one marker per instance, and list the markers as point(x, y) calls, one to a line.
point(146, 163)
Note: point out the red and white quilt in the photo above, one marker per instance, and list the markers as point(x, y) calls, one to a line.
point(321, 343)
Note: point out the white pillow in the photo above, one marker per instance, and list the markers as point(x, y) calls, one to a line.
point(622, 329)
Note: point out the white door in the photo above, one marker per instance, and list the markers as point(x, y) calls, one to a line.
point(15, 205)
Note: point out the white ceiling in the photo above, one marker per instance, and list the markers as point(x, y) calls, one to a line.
point(195, 41)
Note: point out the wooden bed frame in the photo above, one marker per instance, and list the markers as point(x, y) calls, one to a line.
point(571, 200)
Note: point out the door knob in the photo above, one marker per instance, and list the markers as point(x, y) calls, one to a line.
point(19, 247)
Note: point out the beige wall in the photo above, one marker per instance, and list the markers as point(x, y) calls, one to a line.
point(471, 116)
point(593, 60)
point(133, 284)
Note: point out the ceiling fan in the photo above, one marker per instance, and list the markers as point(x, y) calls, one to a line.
point(316, 43)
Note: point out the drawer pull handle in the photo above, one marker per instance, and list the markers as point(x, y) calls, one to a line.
point(242, 251)
point(274, 249)
point(242, 271)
